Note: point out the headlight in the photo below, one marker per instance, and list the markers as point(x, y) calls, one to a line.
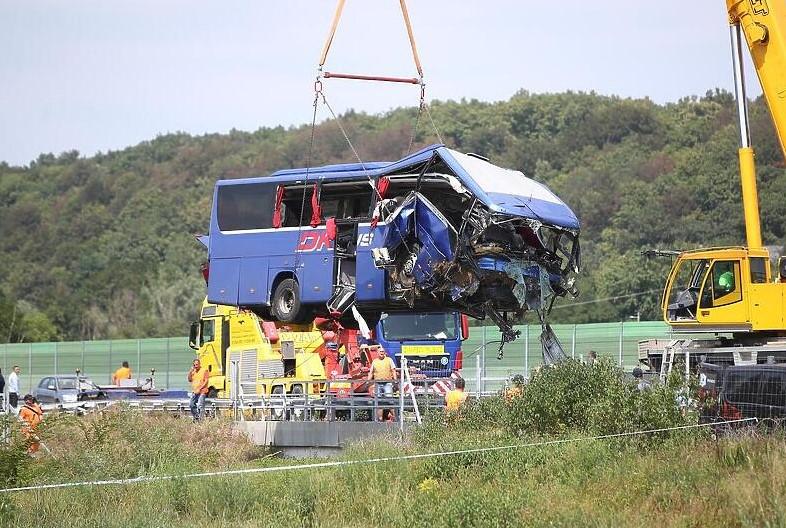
point(69, 398)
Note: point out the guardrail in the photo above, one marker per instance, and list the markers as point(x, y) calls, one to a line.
point(406, 403)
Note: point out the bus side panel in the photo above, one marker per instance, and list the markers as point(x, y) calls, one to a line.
point(371, 281)
point(315, 276)
point(223, 284)
point(253, 281)
point(315, 260)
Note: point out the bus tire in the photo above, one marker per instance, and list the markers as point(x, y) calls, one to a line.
point(286, 306)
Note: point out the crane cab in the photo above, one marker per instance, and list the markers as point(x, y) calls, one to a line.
point(724, 290)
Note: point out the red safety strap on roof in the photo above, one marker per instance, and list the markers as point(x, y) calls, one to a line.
point(316, 209)
point(277, 209)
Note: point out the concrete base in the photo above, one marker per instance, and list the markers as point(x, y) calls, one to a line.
point(313, 438)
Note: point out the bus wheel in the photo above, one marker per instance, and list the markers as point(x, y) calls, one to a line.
point(212, 392)
point(286, 306)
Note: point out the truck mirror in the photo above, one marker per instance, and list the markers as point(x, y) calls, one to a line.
point(193, 336)
point(464, 326)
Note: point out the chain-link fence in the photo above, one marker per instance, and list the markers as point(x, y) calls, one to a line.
point(171, 357)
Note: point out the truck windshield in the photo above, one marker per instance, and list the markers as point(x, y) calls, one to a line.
point(414, 327)
point(688, 277)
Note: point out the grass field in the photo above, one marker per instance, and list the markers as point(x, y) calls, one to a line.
point(682, 478)
point(172, 358)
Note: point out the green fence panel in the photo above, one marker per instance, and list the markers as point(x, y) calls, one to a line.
point(171, 357)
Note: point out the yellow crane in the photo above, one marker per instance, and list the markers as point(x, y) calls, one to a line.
point(732, 290)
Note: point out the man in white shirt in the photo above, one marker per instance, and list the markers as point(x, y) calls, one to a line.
point(13, 387)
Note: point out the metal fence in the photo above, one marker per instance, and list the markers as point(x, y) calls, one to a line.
point(171, 357)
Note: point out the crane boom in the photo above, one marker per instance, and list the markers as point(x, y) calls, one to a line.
point(764, 24)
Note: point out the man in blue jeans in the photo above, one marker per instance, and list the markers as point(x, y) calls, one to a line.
point(199, 378)
point(383, 373)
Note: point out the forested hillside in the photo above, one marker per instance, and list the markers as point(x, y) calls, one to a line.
point(102, 246)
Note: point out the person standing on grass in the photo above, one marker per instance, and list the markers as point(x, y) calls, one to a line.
point(383, 373)
point(199, 378)
point(456, 397)
point(13, 387)
point(2, 391)
point(31, 415)
point(123, 373)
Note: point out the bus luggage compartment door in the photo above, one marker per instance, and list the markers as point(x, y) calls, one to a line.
point(222, 288)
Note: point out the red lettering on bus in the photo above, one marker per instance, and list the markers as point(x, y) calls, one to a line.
point(313, 241)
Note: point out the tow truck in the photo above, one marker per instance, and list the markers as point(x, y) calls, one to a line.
point(731, 292)
point(269, 357)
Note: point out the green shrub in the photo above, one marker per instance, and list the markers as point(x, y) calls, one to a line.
point(574, 397)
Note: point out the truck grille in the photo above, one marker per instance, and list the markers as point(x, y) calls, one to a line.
point(248, 362)
point(434, 362)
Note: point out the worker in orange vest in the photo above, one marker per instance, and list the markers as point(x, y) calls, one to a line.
point(123, 373)
point(199, 378)
point(32, 415)
point(456, 397)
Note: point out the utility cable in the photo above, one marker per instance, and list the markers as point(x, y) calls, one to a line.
point(340, 463)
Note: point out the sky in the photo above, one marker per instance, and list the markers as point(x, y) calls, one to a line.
point(97, 75)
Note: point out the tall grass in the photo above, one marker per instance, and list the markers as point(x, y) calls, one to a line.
point(681, 479)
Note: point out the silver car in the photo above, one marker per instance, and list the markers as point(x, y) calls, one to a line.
point(66, 389)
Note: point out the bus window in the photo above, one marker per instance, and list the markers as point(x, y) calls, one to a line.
point(245, 206)
point(343, 200)
point(297, 209)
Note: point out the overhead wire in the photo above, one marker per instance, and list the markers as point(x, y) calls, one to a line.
point(377, 460)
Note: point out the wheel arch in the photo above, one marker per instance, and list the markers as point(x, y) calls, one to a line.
point(281, 276)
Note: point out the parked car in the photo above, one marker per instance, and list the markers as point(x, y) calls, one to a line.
point(67, 389)
point(742, 391)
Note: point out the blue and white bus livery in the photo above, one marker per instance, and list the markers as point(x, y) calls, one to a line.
point(438, 230)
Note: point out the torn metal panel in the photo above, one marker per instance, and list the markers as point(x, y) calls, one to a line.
point(552, 348)
point(478, 238)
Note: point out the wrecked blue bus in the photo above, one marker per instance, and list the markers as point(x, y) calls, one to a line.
point(438, 230)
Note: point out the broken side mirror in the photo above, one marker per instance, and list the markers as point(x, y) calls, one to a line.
point(193, 336)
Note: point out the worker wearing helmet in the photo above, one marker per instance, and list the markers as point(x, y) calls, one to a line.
point(31, 415)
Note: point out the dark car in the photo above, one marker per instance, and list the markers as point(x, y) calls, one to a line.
point(67, 389)
point(742, 391)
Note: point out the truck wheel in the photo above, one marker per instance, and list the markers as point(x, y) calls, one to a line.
point(286, 306)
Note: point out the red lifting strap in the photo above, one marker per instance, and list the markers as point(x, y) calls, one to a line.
point(382, 186)
point(316, 209)
point(330, 228)
point(277, 208)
